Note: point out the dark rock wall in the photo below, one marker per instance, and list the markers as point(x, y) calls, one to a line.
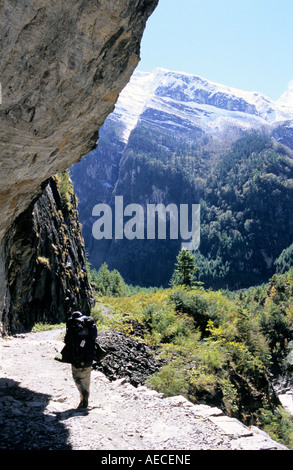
point(46, 262)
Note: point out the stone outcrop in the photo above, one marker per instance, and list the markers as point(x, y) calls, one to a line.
point(46, 264)
point(127, 358)
point(63, 65)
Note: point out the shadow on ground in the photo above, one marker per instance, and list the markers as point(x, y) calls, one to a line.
point(24, 424)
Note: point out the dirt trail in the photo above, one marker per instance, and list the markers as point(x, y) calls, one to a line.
point(38, 401)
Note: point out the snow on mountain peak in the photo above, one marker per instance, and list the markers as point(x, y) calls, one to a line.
point(134, 98)
point(198, 101)
point(286, 100)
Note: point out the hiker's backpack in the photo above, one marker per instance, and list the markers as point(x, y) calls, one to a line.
point(80, 336)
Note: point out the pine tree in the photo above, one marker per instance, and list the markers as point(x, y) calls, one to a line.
point(185, 269)
point(117, 286)
point(104, 279)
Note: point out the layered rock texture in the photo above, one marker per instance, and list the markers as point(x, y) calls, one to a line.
point(63, 65)
point(46, 265)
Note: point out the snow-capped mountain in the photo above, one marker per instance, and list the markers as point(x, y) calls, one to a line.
point(168, 132)
point(185, 102)
point(286, 100)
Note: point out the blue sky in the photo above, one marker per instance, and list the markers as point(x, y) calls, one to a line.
point(246, 44)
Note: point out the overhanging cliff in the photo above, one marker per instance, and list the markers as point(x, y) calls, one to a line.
point(63, 65)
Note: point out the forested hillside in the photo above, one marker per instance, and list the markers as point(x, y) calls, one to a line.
point(246, 200)
point(246, 214)
point(178, 139)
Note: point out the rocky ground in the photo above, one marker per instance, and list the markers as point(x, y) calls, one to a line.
point(38, 401)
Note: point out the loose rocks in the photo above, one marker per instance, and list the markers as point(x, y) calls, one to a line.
point(127, 358)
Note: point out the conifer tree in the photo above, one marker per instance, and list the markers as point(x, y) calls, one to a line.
point(185, 269)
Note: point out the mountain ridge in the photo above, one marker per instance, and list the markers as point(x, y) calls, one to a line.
point(163, 89)
point(166, 136)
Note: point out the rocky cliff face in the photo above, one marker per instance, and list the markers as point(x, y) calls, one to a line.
point(63, 65)
point(45, 259)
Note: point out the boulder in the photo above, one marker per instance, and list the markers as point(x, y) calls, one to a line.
point(127, 358)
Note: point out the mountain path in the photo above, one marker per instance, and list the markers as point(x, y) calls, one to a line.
point(38, 401)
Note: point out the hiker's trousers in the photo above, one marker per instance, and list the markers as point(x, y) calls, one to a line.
point(82, 379)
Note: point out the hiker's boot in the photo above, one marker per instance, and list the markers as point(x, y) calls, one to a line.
point(84, 401)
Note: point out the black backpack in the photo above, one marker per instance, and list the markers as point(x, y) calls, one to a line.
point(80, 337)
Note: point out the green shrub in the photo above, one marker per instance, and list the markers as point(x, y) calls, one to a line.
point(66, 189)
point(278, 424)
point(46, 326)
point(193, 305)
point(166, 323)
point(170, 380)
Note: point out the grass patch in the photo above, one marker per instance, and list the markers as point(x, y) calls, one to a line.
point(47, 326)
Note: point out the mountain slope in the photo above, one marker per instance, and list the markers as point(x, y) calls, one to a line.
point(184, 102)
point(165, 138)
point(246, 214)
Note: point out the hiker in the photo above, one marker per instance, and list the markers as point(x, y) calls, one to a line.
point(81, 333)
